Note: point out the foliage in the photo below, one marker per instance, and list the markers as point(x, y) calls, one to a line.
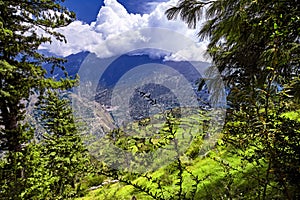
point(248, 39)
point(21, 72)
point(28, 161)
point(66, 156)
point(255, 45)
point(27, 168)
point(177, 181)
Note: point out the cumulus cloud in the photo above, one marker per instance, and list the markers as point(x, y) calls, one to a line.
point(116, 31)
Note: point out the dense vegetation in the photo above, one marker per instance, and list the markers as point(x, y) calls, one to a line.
point(254, 45)
point(45, 161)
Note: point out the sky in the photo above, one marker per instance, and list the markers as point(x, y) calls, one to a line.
point(110, 27)
point(87, 10)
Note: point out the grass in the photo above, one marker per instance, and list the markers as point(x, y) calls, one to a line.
point(190, 133)
point(221, 174)
point(209, 169)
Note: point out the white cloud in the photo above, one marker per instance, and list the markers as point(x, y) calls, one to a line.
point(115, 31)
point(193, 53)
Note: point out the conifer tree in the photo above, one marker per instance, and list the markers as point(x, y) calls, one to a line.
point(21, 72)
point(24, 26)
point(64, 151)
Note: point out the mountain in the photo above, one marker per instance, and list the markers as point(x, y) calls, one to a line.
point(140, 81)
point(191, 71)
point(71, 65)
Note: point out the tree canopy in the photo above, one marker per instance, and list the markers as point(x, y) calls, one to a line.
point(255, 46)
point(26, 171)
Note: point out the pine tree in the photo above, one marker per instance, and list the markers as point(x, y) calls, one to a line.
point(21, 72)
point(66, 156)
point(24, 26)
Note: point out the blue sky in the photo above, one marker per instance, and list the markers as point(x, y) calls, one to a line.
point(87, 10)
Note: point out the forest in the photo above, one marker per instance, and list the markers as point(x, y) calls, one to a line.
point(44, 149)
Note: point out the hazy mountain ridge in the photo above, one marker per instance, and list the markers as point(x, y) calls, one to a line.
point(112, 88)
